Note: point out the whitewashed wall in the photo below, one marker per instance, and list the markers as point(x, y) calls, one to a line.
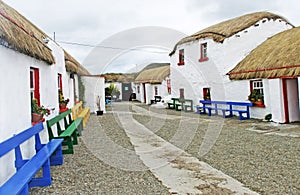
point(193, 76)
point(94, 88)
point(15, 99)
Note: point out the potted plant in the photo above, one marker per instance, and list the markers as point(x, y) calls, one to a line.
point(252, 96)
point(62, 101)
point(99, 111)
point(38, 112)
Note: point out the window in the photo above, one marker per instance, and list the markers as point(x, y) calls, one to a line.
point(203, 52)
point(155, 90)
point(181, 93)
point(59, 81)
point(257, 93)
point(181, 57)
point(206, 94)
point(138, 89)
point(34, 84)
point(169, 86)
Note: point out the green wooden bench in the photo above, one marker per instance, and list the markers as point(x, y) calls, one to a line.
point(185, 105)
point(69, 132)
point(172, 105)
point(26, 175)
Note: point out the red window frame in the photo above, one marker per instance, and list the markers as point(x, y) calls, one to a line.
point(35, 84)
point(59, 81)
point(169, 85)
point(203, 52)
point(155, 90)
point(258, 84)
point(138, 89)
point(181, 93)
point(181, 57)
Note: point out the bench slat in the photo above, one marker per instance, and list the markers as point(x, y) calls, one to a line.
point(19, 181)
point(15, 141)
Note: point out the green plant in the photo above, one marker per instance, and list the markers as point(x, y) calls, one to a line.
point(35, 108)
point(81, 89)
point(112, 90)
point(61, 98)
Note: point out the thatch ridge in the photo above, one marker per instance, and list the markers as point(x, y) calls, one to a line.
point(153, 75)
point(19, 34)
point(219, 32)
point(276, 57)
point(72, 65)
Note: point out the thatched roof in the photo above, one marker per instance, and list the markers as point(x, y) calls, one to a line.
point(154, 75)
point(119, 77)
point(219, 32)
point(73, 65)
point(279, 56)
point(19, 34)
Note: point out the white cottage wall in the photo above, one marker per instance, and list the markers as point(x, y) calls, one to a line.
point(276, 100)
point(193, 76)
point(138, 92)
point(15, 97)
point(94, 87)
point(162, 88)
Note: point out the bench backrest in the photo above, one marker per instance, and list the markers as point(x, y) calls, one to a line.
point(17, 140)
point(226, 103)
point(76, 110)
point(65, 116)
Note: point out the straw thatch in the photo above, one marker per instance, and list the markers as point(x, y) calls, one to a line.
point(219, 32)
point(74, 66)
point(19, 34)
point(276, 57)
point(154, 75)
point(119, 77)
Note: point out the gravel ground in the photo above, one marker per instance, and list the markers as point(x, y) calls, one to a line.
point(267, 164)
point(83, 173)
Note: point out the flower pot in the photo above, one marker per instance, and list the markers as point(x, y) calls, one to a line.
point(36, 117)
point(62, 106)
point(99, 112)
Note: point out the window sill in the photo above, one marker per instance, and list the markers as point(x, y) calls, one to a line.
point(180, 63)
point(203, 59)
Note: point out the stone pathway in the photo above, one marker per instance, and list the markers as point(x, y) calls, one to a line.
point(179, 171)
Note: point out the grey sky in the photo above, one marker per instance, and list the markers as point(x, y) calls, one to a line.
point(95, 22)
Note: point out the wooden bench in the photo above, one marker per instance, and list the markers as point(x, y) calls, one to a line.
point(79, 112)
point(171, 105)
point(242, 108)
point(157, 98)
point(25, 176)
point(69, 132)
point(184, 104)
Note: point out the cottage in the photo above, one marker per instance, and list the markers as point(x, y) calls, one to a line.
point(272, 71)
point(200, 62)
point(32, 66)
point(154, 80)
point(122, 85)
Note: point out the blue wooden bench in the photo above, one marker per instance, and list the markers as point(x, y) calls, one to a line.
point(226, 107)
point(26, 169)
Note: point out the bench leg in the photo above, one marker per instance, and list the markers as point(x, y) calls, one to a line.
point(69, 143)
point(57, 157)
point(45, 180)
point(209, 112)
point(241, 117)
point(75, 137)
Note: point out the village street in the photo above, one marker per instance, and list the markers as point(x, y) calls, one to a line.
point(263, 156)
